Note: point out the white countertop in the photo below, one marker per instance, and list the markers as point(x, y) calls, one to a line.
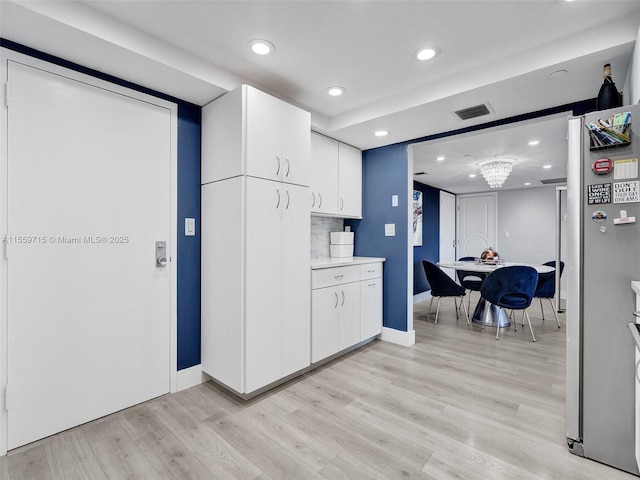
point(328, 262)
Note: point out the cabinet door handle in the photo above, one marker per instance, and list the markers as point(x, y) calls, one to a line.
point(372, 285)
point(313, 203)
point(278, 204)
point(342, 291)
point(341, 203)
point(288, 167)
point(320, 204)
point(288, 200)
point(336, 294)
point(278, 170)
point(338, 277)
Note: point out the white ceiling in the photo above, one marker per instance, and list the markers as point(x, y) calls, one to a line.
point(500, 52)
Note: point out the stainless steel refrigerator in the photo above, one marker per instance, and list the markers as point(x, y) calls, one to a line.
point(603, 258)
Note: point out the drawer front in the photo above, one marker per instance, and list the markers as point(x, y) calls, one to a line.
point(371, 270)
point(325, 277)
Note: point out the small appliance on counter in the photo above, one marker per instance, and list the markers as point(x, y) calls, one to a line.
point(341, 244)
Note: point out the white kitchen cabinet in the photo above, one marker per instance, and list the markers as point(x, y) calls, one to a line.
point(371, 300)
point(346, 307)
point(336, 179)
point(324, 175)
point(256, 301)
point(349, 181)
point(335, 313)
point(249, 132)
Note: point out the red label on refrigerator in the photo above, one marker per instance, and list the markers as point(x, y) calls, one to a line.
point(602, 166)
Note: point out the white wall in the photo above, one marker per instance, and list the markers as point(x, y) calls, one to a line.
point(528, 217)
point(631, 89)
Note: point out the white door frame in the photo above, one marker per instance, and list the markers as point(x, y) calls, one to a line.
point(5, 56)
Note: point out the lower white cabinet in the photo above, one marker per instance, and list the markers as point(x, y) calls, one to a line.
point(346, 307)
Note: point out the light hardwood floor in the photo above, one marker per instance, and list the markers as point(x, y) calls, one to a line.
point(458, 404)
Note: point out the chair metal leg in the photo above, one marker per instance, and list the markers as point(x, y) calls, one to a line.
point(541, 309)
point(530, 328)
point(430, 303)
point(515, 322)
point(466, 311)
point(437, 310)
point(554, 311)
point(498, 328)
point(455, 302)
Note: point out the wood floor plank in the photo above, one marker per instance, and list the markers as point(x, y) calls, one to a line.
point(72, 458)
point(28, 464)
point(215, 453)
point(169, 457)
point(118, 453)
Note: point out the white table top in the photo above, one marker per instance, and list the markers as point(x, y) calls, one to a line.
point(472, 266)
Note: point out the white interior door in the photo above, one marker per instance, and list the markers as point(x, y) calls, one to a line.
point(477, 224)
point(448, 230)
point(89, 194)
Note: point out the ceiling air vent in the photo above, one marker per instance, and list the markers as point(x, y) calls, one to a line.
point(551, 181)
point(473, 112)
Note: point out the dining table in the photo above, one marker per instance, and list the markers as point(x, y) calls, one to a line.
point(485, 313)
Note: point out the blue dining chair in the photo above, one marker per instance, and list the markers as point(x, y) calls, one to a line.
point(443, 286)
point(511, 288)
point(472, 281)
point(546, 288)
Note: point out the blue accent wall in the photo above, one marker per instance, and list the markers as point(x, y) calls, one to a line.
point(188, 267)
point(384, 173)
point(430, 249)
point(189, 133)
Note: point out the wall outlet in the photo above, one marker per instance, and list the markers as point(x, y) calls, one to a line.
point(389, 229)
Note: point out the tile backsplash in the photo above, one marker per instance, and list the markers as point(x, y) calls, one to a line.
point(320, 228)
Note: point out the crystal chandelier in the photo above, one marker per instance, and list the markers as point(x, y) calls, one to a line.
point(495, 172)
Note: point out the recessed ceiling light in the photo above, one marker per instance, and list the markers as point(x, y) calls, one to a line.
point(426, 53)
point(261, 47)
point(547, 166)
point(440, 158)
point(533, 143)
point(527, 183)
point(336, 91)
point(381, 133)
point(473, 175)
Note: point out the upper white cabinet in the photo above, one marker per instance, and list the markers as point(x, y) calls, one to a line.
point(324, 175)
point(249, 132)
point(349, 181)
point(336, 180)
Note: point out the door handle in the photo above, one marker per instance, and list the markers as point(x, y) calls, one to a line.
point(288, 200)
point(161, 254)
point(320, 204)
point(278, 204)
point(342, 304)
point(341, 203)
point(278, 170)
point(288, 167)
point(313, 203)
point(336, 294)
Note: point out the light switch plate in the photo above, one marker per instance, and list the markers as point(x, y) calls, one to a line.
point(389, 229)
point(394, 200)
point(190, 227)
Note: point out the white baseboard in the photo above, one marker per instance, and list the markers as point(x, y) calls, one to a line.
point(406, 339)
point(189, 377)
point(421, 297)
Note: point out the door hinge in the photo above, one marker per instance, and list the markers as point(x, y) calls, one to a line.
point(7, 398)
point(6, 95)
